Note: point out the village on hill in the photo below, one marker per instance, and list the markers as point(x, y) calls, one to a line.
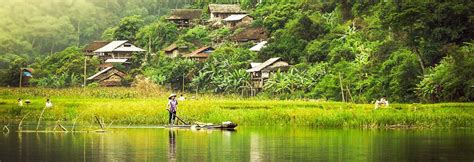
point(230, 16)
point(351, 51)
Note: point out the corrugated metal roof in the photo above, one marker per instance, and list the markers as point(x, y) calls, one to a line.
point(264, 64)
point(236, 17)
point(129, 49)
point(255, 64)
point(259, 46)
point(100, 72)
point(115, 60)
point(111, 46)
point(117, 46)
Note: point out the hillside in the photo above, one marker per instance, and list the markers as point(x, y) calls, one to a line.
point(358, 52)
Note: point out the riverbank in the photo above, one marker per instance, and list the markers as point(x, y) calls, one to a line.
point(132, 106)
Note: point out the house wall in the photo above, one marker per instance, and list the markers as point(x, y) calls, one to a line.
point(182, 22)
point(198, 59)
point(172, 54)
point(110, 55)
point(113, 80)
point(220, 15)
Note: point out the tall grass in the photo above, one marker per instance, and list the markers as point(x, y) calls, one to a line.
point(134, 106)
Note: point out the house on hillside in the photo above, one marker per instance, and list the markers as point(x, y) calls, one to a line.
point(260, 72)
point(200, 54)
point(237, 20)
point(110, 63)
point(25, 75)
point(90, 48)
point(109, 77)
point(173, 51)
point(250, 35)
point(121, 49)
point(258, 47)
point(221, 11)
point(185, 17)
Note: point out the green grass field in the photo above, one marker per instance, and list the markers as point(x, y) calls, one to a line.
point(146, 106)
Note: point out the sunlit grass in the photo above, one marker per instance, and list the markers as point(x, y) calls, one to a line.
point(134, 106)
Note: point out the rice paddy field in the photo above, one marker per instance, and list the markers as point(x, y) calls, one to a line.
point(147, 106)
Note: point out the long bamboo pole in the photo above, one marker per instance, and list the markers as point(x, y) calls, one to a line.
point(342, 89)
point(21, 121)
point(39, 120)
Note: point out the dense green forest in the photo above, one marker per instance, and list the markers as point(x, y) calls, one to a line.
point(409, 52)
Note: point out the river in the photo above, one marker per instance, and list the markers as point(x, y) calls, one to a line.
point(243, 144)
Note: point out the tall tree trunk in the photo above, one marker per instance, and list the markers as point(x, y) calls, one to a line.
point(33, 43)
point(342, 89)
point(78, 33)
point(52, 48)
point(420, 59)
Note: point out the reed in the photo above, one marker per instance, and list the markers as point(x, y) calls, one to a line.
point(133, 106)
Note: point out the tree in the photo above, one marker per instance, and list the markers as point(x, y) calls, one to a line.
point(156, 35)
point(128, 28)
point(197, 36)
point(62, 69)
point(425, 26)
point(451, 80)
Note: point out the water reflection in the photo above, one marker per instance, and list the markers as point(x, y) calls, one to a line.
point(172, 144)
point(255, 154)
point(247, 144)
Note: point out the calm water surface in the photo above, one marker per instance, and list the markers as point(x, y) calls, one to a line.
point(244, 144)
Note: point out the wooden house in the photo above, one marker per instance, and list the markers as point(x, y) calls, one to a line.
point(250, 35)
point(221, 11)
point(109, 77)
point(121, 49)
point(200, 54)
point(261, 72)
point(25, 75)
point(173, 51)
point(185, 17)
point(237, 20)
point(90, 48)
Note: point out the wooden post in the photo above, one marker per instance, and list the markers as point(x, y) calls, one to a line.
point(58, 124)
point(100, 123)
point(85, 71)
point(62, 127)
point(342, 89)
point(349, 92)
point(21, 121)
point(39, 120)
point(21, 76)
point(183, 84)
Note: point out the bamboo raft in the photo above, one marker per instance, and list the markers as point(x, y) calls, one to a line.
point(103, 128)
point(226, 126)
point(196, 126)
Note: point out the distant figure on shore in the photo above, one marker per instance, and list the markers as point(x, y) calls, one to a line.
point(181, 98)
point(382, 101)
point(172, 107)
point(49, 104)
point(20, 102)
